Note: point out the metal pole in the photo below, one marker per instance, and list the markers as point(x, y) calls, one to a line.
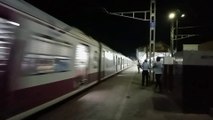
point(176, 34)
point(172, 38)
point(152, 33)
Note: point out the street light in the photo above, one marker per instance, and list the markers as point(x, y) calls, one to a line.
point(176, 28)
point(173, 16)
point(182, 15)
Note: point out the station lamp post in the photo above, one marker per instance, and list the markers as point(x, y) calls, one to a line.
point(173, 16)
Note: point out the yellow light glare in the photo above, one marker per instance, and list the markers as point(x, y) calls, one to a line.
point(171, 15)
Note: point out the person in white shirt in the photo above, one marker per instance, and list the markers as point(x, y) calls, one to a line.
point(145, 72)
point(158, 69)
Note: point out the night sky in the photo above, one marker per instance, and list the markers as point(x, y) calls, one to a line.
point(124, 34)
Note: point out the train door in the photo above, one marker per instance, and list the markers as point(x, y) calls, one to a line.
point(116, 63)
point(103, 64)
point(8, 32)
point(121, 63)
point(82, 62)
point(7, 39)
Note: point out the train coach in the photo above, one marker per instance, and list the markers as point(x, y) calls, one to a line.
point(44, 61)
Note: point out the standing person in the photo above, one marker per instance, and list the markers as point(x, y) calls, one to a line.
point(145, 72)
point(158, 69)
point(139, 66)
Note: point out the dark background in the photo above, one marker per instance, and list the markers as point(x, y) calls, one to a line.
point(124, 34)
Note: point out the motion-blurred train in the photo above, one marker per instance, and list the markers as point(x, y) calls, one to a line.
point(44, 61)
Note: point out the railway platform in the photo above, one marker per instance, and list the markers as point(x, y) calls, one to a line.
point(120, 97)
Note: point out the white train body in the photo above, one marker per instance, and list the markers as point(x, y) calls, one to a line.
point(44, 61)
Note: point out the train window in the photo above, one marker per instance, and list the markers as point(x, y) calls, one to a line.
point(40, 64)
point(56, 57)
point(62, 64)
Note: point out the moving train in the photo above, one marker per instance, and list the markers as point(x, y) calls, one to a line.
point(44, 61)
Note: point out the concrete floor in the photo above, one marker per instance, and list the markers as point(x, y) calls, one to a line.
point(118, 98)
